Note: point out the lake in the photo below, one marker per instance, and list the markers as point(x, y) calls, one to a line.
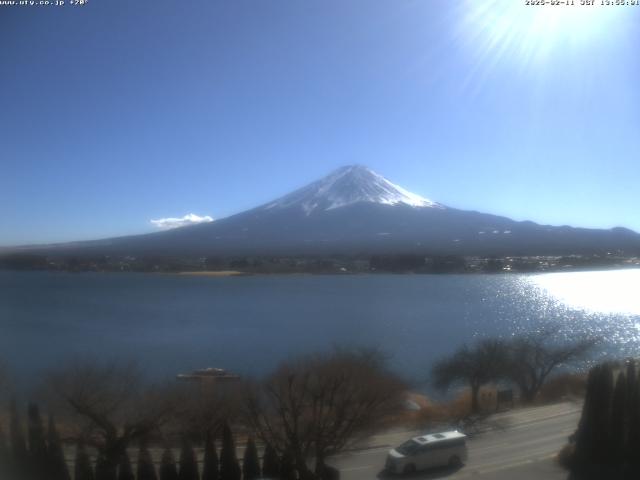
point(173, 324)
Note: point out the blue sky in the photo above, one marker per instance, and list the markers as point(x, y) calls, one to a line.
point(119, 112)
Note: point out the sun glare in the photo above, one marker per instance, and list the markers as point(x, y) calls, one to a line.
point(597, 292)
point(528, 34)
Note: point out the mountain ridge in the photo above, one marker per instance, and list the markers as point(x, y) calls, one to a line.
point(355, 210)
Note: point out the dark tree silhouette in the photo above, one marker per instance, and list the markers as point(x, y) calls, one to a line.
point(83, 469)
point(631, 380)
point(38, 455)
point(5, 456)
point(250, 462)
point(105, 469)
point(473, 366)
point(633, 402)
point(188, 462)
point(584, 436)
point(619, 420)
point(593, 451)
point(58, 469)
point(603, 419)
point(168, 470)
point(19, 453)
point(270, 462)
point(146, 470)
point(229, 466)
point(287, 469)
point(125, 470)
point(211, 468)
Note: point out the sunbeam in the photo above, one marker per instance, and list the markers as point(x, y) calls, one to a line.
point(526, 35)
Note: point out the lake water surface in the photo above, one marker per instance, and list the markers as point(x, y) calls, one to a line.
point(173, 324)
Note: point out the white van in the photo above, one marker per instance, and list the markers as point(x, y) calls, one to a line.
point(428, 451)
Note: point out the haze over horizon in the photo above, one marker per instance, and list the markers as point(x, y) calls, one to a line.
point(119, 113)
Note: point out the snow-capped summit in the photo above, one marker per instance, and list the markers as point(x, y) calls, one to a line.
point(346, 186)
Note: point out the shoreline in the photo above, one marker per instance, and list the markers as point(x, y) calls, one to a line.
point(239, 273)
point(213, 273)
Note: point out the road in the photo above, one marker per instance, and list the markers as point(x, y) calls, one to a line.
point(520, 444)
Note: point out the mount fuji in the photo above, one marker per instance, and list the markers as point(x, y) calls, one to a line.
point(348, 186)
point(354, 210)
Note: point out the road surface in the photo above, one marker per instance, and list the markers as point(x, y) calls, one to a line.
point(520, 444)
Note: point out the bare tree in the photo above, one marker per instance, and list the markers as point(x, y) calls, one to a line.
point(110, 406)
point(533, 357)
point(316, 406)
point(472, 366)
point(205, 407)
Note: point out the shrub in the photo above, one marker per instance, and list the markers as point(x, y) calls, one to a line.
point(560, 387)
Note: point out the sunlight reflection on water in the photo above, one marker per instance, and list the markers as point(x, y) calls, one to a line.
point(603, 304)
point(595, 292)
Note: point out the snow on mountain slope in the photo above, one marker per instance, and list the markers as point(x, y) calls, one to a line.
point(346, 186)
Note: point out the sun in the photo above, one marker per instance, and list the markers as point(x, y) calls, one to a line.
point(526, 33)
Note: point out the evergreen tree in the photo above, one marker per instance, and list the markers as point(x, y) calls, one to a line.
point(83, 469)
point(631, 380)
point(57, 464)
point(188, 462)
point(145, 470)
point(270, 462)
point(633, 408)
point(585, 435)
point(4, 455)
point(604, 451)
point(125, 471)
point(250, 462)
point(210, 470)
point(619, 420)
point(19, 454)
point(287, 469)
point(602, 396)
point(105, 469)
point(229, 466)
point(168, 470)
point(38, 455)
point(594, 450)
